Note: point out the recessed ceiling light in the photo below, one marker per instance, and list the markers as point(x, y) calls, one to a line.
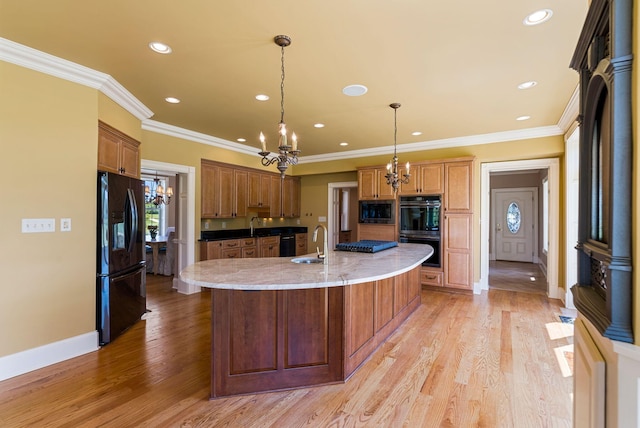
point(318, 125)
point(262, 97)
point(523, 118)
point(172, 100)
point(354, 90)
point(416, 133)
point(527, 85)
point(241, 140)
point(160, 47)
point(344, 143)
point(538, 17)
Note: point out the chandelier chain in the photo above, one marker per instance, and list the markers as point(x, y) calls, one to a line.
point(282, 84)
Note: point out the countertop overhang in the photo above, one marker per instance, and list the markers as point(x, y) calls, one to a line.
point(280, 273)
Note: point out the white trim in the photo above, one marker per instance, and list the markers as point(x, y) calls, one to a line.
point(570, 113)
point(553, 166)
point(33, 59)
point(190, 244)
point(471, 140)
point(330, 215)
point(46, 355)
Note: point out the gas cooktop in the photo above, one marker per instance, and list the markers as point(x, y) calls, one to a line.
point(366, 246)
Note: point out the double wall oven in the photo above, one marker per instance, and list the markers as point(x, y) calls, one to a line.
point(420, 218)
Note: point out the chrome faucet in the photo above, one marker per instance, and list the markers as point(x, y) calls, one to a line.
point(251, 224)
point(322, 255)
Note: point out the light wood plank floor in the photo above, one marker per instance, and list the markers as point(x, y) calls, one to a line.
point(458, 361)
point(517, 276)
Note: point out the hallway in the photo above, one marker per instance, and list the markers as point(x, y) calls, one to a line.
point(517, 276)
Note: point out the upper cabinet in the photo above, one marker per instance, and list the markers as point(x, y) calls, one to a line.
point(117, 152)
point(259, 189)
point(372, 184)
point(223, 191)
point(426, 179)
point(458, 183)
point(228, 192)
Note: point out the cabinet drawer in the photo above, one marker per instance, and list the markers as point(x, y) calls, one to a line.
point(249, 252)
point(270, 240)
point(232, 253)
point(431, 278)
point(231, 243)
point(248, 242)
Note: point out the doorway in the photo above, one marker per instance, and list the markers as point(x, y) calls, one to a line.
point(553, 174)
point(342, 214)
point(185, 215)
point(515, 224)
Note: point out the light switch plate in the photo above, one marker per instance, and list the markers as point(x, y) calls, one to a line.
point(65, 225)
point(322, 219)
point(38, 225)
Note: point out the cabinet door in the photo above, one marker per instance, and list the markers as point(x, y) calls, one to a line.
point(367, 184)
point(291, 197)
point(432, 179)
point(210, 250)
point(240, 179)
point(458, 186)
point(385, 191)
point(225, 191)
point(209, 200)
point(108, 152)
point(275, 196)
point(129, 159)
point(301, 244)
point(457, 262)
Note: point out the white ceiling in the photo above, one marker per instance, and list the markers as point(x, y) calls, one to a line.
point(454, 65)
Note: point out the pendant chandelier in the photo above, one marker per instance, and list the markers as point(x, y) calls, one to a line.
point(157, 195)
point(287, 154)
point(393, 176)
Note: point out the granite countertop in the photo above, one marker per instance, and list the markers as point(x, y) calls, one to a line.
point(280, 273)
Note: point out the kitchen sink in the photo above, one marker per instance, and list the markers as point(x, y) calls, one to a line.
point(307, 260)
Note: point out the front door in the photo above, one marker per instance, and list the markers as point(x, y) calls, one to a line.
point(514, 225)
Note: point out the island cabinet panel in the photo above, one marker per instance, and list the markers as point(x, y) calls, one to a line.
point(372, 314)
point(256, 317)
point(306, 327)
point(273, 340)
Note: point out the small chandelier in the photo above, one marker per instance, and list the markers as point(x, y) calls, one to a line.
point(393, 177)
point(287, 154)
point(161, 196)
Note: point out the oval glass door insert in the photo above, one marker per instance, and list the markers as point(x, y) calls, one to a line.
point(513, 217)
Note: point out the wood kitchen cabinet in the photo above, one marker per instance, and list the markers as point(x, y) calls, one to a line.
point(275, 196)
point(269, 246)
point(228, 249)
point(259, 185)
point(458, 181)
point(372, 184)
point(223, 191)
point(426, 179)
point(117, 152)
point(301, 244)
point(457, 251)
point(291, 197)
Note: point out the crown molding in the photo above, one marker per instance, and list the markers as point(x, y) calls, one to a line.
point(570, 113)
point(34, 59)
point(471, 140)
point(186, 134)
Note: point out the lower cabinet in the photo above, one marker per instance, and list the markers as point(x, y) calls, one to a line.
point(301, 244)
point(269, 246)
point(281, 339)
point(377, 232)
point(228, 249)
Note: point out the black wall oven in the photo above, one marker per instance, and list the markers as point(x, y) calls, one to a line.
point(420, 224)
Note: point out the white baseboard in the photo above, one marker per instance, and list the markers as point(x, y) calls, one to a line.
point(46, 355)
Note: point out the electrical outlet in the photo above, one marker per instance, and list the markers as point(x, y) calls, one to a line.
point(206, 225)
point(322, 219)
point(38, 225)
point(224, 224)
point(65, 225)
point(298, 221)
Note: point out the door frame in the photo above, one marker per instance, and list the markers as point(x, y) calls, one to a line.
point(186, 240)
point(553, 167)
point(332, 221)
point(535, 220)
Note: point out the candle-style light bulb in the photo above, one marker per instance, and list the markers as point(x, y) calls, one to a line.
point(294, 140)
point(283, 135)
point(263, 142)
point(389, 167)
point(407, 168)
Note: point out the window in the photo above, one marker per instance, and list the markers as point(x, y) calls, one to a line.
point(155, 215)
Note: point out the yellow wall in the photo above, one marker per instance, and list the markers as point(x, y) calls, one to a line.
point(48, 136)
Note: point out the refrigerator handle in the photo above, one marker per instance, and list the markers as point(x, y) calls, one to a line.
point(133, 212)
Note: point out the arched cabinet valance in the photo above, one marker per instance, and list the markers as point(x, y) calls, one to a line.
point(603, 293)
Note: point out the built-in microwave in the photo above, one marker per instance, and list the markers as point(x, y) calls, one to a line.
point(383, 212)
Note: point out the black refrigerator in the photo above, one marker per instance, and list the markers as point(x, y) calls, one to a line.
point(121, 277)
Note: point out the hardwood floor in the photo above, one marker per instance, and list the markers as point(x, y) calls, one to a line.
point(484, 360)
point(517, 276)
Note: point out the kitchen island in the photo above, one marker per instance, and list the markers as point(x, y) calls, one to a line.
point(278, 325)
